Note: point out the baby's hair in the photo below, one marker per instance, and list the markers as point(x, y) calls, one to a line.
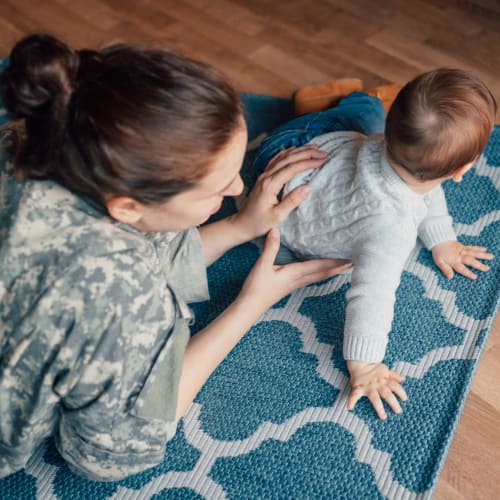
point(126, 120)
point(439, 122)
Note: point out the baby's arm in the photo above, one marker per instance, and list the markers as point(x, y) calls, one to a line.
point(437, 234)
point(378, 263)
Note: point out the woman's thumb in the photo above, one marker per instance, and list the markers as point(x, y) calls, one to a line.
point(293, 199)
point(271, 246)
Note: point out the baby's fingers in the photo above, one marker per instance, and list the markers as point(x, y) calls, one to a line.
point(377, 404)
point(479, 253)
point(398, 389)
point(476, 264)
point(475, 248)
point(445, 268)
point(395, 376)
point(464, 271)
point(391, 400)
point(356, 395)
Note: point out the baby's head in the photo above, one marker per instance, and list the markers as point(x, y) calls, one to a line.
point(439, 122)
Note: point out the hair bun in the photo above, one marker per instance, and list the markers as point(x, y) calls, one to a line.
point(41, 73)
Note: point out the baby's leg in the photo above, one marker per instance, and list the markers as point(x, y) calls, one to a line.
point(360, 112)
point(293, 133)
point(357, 111)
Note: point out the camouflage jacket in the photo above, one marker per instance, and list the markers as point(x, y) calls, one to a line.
point(93, 328)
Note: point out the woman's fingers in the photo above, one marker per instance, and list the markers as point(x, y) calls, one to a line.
point(291, 201)
point(321, 275)
point(293, 155)
point(280, 177)
point(271, 247)
point(276, 158)
point(309, 268)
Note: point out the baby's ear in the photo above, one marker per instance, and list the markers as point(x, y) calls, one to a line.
point(124, 209)
point(457, 176)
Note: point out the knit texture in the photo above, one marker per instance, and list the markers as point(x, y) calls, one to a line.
point(271, 422)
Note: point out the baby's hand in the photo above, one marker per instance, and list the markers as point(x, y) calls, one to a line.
point(452, 256)
point(375, 381)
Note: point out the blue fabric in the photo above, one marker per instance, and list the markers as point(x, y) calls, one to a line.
point(357, 111)
point(271, 421)
point(4, 117)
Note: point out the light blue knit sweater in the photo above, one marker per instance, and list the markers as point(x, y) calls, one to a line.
point(360, 209)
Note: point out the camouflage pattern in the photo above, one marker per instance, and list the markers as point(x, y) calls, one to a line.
point(93, 328)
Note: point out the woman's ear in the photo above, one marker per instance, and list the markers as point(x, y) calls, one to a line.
point(125, 209)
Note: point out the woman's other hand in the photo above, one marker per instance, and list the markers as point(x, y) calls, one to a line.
point(268, 283)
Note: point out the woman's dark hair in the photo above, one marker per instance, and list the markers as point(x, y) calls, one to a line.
point(126, 120)
point(439, 122)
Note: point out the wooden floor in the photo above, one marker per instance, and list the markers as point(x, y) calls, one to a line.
point(273, 47)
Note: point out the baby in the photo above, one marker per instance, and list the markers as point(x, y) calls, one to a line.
point(376, 194)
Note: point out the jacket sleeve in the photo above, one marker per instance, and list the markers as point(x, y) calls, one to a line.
point(378, 261)
point(103, 342)
point(182, 258)
point(437, 226)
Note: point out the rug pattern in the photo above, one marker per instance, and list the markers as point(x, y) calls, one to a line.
point(271, 422)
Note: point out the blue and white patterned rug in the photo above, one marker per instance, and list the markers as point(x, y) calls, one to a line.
point(272, 423)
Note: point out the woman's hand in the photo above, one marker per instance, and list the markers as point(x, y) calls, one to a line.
point(267, 284)
point(262, 209)
point(375, 381)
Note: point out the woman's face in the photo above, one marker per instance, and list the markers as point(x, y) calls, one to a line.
point(194, 206)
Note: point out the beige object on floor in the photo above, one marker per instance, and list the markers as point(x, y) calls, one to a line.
point(316, 98)
point(320, 97)
point(386, 93)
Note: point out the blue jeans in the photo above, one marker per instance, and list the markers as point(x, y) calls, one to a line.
point(357, 111)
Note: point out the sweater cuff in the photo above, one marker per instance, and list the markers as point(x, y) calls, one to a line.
point(433, 234)
point(368, 349)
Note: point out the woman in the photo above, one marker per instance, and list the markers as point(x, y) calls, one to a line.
point(126, 151)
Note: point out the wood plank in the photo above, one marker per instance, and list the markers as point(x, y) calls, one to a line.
point(58, 20)
point(390, 68)
point(324, 57)
point(95, 12)
point(231, 14)
point(426, 57)
point(473, 464)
